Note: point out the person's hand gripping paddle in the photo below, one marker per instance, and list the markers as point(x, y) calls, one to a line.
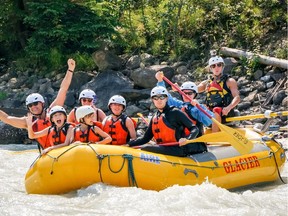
point(236, 139)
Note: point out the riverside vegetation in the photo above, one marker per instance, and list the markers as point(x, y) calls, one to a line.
point(110, 41)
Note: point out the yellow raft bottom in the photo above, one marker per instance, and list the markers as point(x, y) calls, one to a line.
point(75, 166)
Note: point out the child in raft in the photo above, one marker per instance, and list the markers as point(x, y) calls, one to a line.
point(88, 130)
point(57, 134)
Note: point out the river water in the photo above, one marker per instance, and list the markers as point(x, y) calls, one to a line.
point(99, 199)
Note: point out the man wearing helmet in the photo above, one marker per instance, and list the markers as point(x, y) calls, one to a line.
point(57, 135)
point(87, 97)
point(189, 108)
point(36, 106)
point(166, 126)
point(222, 91)
point(88, 130)
point(118, 125)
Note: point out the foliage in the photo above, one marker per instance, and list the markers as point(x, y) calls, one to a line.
point(48, 32)
point(3, 95)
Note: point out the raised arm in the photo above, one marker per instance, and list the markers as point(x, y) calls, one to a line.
point(202, 86)
point(18, 122)
point(61, 96)
point(31, 133)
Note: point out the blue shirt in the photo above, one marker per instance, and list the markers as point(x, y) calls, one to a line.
point(194, 111)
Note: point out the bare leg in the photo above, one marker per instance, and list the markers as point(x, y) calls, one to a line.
point(215, 128)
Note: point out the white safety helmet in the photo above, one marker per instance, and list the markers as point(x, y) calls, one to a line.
point(56, 109)
point(87, 93)
point(34, 97)
point(83, 111)
point(118, 99)
point(159, 90)
point(189, 86)
point(215, 60)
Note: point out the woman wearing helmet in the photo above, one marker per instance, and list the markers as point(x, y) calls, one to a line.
point(36, 106)
point(189, 108)
point(222, 91)
point(57, 135)
point(120, 127)
point(87, 97)
point(166, 126)
point(88, 130)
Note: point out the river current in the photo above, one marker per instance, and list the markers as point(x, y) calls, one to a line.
point(99, 199)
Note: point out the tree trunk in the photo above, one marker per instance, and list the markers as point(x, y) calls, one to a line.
point(281, 63)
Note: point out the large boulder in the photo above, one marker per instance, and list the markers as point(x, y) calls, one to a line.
point(145, 77)
point(106, 60)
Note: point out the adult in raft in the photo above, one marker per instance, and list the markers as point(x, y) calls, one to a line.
point(118, 125)
point(87, 97)
point(167, 125)
point(36, 106)
point(189, 108)
point(222, 91)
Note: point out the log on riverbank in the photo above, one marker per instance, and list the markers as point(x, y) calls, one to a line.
point(281, 63)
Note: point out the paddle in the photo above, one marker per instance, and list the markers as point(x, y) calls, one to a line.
point(142, 117)
point(220, 138)
point(266, 115)
point(237, 140)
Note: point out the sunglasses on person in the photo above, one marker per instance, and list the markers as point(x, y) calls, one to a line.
point(87, 100)
point(157, 97)
point(189, 93)
point(33, 104)
point(218, 65)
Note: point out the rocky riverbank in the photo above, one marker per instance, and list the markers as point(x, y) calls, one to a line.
point(133, 77)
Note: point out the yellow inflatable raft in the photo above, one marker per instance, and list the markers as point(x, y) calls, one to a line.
point(75, 166)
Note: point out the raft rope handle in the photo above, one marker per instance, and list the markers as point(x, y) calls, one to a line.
point(120, 167)
point(56, 158)
point(100, 158)
point(278, 171)
point(131, 175)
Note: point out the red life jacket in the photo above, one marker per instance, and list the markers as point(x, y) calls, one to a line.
point(162, 131)
point(88, 135)
point(39, 125)
point(58, 137)
point(117, 129)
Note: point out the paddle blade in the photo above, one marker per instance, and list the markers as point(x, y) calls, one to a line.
point(235, 138)
point(212, 137)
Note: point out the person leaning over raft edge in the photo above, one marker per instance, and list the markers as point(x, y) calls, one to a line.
point(167, 125)
point(36, 106)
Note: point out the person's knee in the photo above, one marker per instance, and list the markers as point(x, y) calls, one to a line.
point(217, 110)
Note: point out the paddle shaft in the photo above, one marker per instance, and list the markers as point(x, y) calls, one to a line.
point(187, 97)
point(237, 140)
point(248, 117)
point(142, 117)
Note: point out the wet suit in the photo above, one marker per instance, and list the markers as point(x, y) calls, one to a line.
point(177, 120)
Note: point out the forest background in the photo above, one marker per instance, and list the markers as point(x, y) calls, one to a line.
point(42, 34)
